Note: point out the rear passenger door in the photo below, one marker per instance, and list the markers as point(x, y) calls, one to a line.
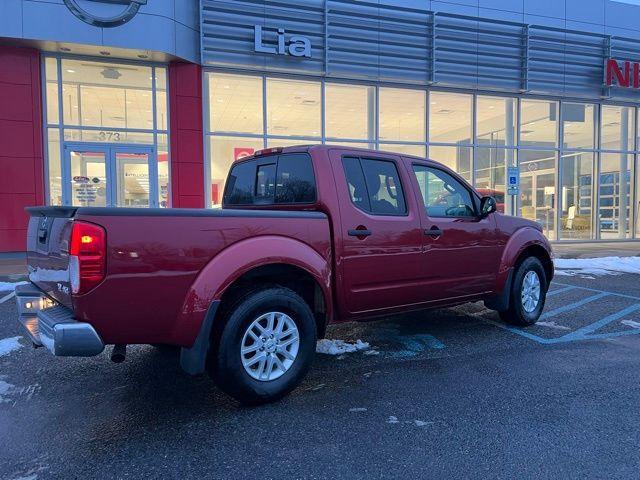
point(380, 233)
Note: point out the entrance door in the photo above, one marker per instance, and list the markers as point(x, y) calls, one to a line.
point(97, 175)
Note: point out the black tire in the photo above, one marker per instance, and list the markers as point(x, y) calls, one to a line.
point(226, 366)
point(516, 314)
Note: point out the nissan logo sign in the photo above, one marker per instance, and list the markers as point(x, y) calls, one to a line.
point(130, 8)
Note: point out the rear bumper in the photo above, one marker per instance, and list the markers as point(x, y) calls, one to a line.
point(52, 325)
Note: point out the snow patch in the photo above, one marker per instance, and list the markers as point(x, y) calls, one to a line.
point(5, 389)
point(338, 347)
point(631, 323)
point(9, 286)
point(8, 345)
point(597, 266)
point(552, 325)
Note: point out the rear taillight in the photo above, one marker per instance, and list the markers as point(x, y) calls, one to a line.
point(87, 256)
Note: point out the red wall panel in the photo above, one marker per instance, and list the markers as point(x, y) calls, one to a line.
point(185, 135)
point(21, 160)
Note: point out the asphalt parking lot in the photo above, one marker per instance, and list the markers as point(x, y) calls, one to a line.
point(440, 394)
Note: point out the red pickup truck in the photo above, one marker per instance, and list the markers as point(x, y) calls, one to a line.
point(307, 236)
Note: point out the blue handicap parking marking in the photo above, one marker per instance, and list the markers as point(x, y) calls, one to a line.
point(413, 345)
point(584, 332)
point(552, 293)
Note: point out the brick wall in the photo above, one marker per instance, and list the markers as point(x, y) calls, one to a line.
point(21, 154)
point(185, 135)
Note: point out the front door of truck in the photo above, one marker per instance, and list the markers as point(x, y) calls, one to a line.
point(461, 251)
point(380, 238)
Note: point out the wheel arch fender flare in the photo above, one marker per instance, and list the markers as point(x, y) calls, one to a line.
point(523, 239)
point(198, 312)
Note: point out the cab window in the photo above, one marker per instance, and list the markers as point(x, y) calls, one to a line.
point(374, 186)
point(276, 179)
point(443, 195)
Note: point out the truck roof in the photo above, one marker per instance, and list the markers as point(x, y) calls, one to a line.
point(320, 147)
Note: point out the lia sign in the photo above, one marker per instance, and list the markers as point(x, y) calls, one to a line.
point(294, 45)
point(619, 73)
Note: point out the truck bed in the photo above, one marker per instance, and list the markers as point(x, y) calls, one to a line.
point(153, 256)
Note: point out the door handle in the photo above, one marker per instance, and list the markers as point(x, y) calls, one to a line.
point(433, 232)
point(359, 233)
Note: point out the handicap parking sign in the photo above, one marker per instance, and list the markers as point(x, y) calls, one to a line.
point(513, 180)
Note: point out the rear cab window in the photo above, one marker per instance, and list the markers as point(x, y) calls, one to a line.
point(374, 185)
point(271, 180)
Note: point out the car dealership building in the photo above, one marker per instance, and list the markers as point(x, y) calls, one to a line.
point(145, 103)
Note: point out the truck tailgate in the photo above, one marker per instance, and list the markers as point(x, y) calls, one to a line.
point(48, 238)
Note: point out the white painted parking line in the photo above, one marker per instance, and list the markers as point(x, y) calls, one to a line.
point(7, 297)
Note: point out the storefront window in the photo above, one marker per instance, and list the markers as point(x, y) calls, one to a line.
point(108, 95)
point(490, 173)
point(55, 170)
point(164, 200)
point(224, 151)
point(578, 122)
point(615, 195)
point(349, 111)
point(617, 128)
point(457, 159)
point(352, 144)
point(417, 150)
point(235, 103)
point(293, 108)
point(538, 126)
point(538, 188)
point(450, 117)
point(51, 72)
point(111, 104)
point(162, 120)
point(576, 196)
point(496, 121)
point(283, 142)
point(402, 115)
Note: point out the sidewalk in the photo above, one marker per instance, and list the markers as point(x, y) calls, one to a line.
point(13, 267)
point(591, 250)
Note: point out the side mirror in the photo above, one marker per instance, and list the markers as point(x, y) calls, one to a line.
point(487, 205)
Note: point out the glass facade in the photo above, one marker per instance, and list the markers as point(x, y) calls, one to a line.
point(107, 133)
point(576, 159)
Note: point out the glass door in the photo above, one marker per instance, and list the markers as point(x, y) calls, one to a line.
point(109, 176)
point(133, 186)
point(87, 183)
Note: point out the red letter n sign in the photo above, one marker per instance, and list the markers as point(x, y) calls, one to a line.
point(622, 79)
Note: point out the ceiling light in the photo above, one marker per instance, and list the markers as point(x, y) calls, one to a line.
point(111, 73)
point(444, 111)
point(70, 70)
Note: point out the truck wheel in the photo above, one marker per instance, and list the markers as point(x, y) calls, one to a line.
point(528, 294)
point(266, 346)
